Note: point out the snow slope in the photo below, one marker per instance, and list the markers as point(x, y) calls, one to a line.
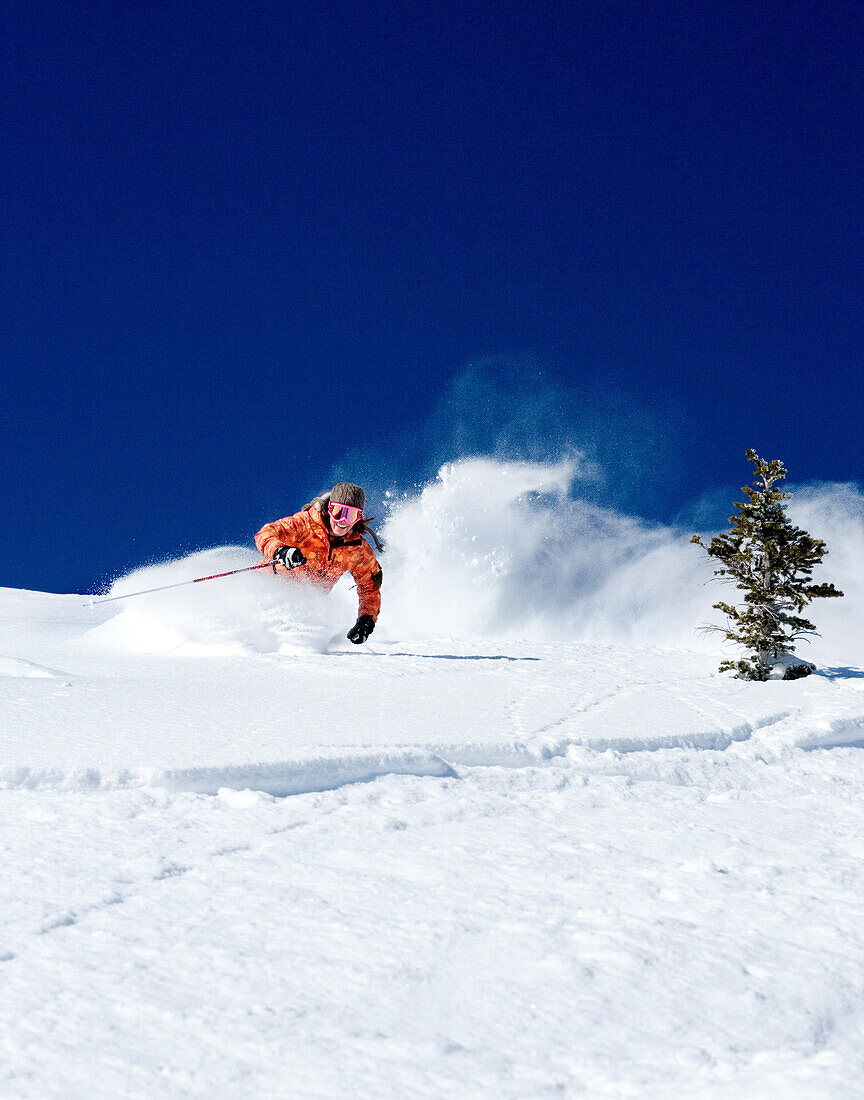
point(534, 845)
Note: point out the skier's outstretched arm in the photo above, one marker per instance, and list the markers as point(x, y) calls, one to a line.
point(289, 531)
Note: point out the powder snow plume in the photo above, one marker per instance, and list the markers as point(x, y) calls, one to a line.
point(496, 548)
point(508, 549)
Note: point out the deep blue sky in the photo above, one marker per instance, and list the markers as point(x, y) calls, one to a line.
point(243, 240)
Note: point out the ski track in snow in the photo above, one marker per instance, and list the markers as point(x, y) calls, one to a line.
point(271, 864)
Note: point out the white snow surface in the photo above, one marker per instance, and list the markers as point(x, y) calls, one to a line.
point(525, 842)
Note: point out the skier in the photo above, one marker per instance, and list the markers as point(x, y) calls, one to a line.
point(323, 541)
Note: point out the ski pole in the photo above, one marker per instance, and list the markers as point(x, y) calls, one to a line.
point(180, 584)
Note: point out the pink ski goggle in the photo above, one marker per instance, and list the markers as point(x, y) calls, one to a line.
point(345, 513)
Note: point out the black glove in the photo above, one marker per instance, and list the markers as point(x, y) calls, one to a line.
point(289, 556)
point(361, 630)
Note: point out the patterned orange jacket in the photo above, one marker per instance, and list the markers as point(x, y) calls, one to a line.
point(327, 557)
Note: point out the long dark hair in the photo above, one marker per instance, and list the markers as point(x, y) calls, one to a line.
point(362, 526)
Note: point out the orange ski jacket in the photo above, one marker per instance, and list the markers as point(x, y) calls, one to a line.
point(327, 557)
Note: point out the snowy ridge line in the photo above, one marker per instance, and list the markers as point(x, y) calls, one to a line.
point(321, 773)
point(279, 779)
point(325, 773)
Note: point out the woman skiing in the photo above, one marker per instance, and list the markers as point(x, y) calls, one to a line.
point(325, 540)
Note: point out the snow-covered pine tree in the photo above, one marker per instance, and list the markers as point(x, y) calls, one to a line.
point(771, 561)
